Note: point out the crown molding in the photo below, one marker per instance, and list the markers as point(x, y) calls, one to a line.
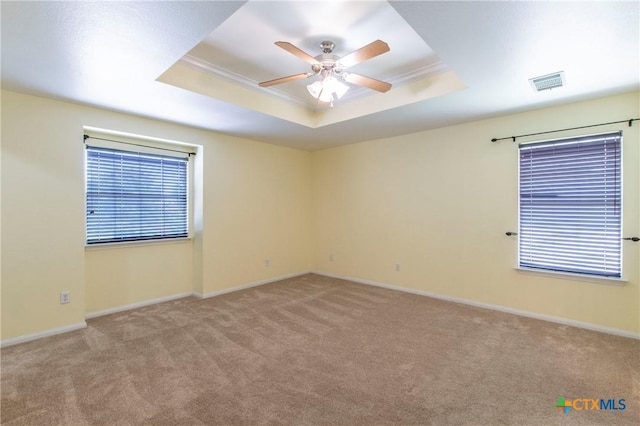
point(233, 77)
point(356, 92)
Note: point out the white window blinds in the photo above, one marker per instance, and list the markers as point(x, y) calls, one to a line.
point(570, 205)
point(133, 196)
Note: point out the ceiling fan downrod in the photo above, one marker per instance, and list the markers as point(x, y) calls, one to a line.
point(327, 46)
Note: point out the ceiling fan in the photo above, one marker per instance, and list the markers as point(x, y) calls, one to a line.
point(331, 69)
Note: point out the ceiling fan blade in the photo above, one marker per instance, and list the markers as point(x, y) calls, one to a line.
point(298, 52)
point(369, 51)
point(285, 79)
point(371, 83)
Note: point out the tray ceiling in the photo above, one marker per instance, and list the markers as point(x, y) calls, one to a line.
point(241, 51)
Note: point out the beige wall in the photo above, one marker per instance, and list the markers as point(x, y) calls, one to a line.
point(257, 207)
point(439, 202)
point(436, 202)
point(126, 275)
point(254, 199)
point(42, 215)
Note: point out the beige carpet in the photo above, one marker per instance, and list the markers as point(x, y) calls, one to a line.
point(317, 350)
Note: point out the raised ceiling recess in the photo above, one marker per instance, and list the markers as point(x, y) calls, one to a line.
point(246, 50)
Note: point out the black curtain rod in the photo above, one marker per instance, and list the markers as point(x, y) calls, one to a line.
point(135, 144)
point(513, 138)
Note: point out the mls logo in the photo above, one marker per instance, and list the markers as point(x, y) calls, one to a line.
point(563, 405)
point(590, 404)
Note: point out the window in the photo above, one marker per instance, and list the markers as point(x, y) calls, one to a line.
point(134, 196)
point(570, 205)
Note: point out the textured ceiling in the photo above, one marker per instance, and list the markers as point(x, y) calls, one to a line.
point(450, 62)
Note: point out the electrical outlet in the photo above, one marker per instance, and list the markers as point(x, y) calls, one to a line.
point(331, 258)
point(397, 267)
point(65, 297)
point(267, 263)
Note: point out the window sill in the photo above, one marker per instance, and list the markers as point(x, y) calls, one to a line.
point(108, 246)
point(573, 277)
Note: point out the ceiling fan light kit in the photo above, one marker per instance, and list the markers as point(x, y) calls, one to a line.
point(328, 89)
point(330, 68)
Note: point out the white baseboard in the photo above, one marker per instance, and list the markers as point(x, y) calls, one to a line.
point(543, 317)
point(83, 324)
point(95, 314)
point(248, 285)
point(148, 302)
point(46, 333)
point(181, 295)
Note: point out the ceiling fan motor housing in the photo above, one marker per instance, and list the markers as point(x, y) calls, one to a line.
point(328, 61)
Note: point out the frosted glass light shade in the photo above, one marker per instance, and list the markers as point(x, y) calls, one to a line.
point(328, 89)
point(315, 88)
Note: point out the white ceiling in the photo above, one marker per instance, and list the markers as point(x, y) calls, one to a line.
point(198, 63)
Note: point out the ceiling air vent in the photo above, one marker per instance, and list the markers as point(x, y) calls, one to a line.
point(547, 82)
